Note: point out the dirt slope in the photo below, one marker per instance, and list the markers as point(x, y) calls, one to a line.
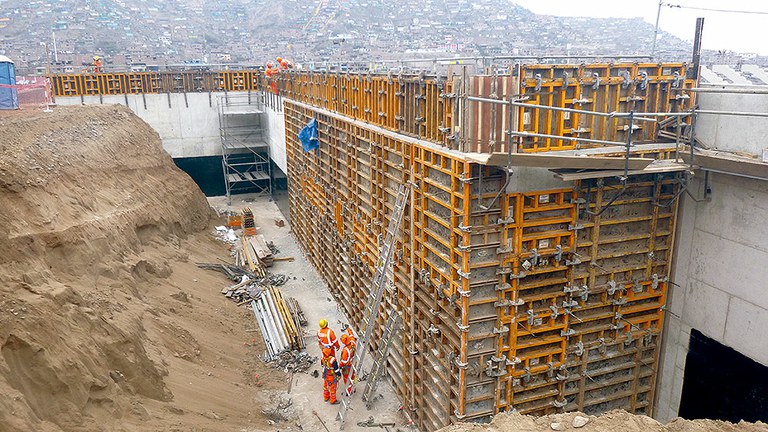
point(611, 421)
point(105, 321)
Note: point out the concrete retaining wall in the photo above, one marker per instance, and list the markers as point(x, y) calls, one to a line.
point(276, 136)
point(188, 128)
point(720, 272)
point(734, 133)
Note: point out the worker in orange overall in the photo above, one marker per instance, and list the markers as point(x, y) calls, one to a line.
point(97, 64)
point(284, 64)
point(326, 338)
point(331, 375)
point(347, 358)
point(271, 72)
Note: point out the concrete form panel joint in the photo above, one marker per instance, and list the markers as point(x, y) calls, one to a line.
point(465, 228)
point(575, 227)
point(502, 287)
point(463, 328)
point(567, 333)
point(463, 293)
point(461, 364)
point(462, 274)
point(619, 302)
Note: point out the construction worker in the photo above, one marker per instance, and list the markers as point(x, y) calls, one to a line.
point(97, 64)
point(326, 338)
point(331, 375)
point(347, 357)
point(346, 328)
point(271, 72)
point(284, 64)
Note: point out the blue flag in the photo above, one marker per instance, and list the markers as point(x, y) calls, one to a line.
point(308, 136)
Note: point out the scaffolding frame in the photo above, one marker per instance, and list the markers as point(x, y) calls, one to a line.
point(246, 162)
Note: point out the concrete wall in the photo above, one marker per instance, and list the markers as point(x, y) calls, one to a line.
point(187, 128)
point(745, 134)
point(721, 273)
point(276, 136)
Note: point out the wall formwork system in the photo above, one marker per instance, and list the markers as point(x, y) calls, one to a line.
point(539, 300)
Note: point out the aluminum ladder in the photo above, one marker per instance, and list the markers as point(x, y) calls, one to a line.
point(378, 285)
point(391, 328)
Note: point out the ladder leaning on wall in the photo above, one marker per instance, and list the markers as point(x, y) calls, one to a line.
point(371, 312)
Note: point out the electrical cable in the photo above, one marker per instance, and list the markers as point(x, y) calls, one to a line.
point(678, 6)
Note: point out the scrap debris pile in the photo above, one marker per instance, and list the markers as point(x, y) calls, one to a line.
point(280, 320)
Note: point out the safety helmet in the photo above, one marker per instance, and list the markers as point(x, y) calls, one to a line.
point(345, 339)
point(269, 64)
point(279, 59)
point(96, 57)
point(327, 352)
point(323, 323)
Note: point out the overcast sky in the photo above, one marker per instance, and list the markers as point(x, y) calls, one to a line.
point(730, 31)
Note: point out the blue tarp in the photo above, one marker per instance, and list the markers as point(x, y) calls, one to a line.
point(8, 97)
point(308, 136)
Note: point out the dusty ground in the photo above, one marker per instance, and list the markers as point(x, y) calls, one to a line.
point(612, 421)
point(106, 324)
point(308, 288)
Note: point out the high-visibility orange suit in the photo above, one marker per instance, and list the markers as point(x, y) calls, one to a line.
point(326, 338)
point(97, 64)
point(331, 375)
point(347, 358)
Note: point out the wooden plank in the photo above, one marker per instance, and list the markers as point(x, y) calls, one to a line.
point(729, 164)
point(655, 168)
point(554, 160)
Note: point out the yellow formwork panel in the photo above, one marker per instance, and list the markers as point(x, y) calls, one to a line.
point(532, 300)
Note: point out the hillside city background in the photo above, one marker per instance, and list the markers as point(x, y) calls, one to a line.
point(177, 32)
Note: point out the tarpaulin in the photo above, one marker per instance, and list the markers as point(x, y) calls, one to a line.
point(308, 136)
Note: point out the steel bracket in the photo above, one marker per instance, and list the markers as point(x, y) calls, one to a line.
point(464, 228)
point(463, 274)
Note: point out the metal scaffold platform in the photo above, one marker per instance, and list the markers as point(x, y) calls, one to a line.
point(245, 152)
point(513, 294)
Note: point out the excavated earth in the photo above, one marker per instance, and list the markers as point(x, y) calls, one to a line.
point(106, 323)
point(612, 421)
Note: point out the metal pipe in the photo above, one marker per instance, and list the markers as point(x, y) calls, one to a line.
point(270, 320)
point(724, 89)
point(277, 319)
point(733, 113)
point(553, 108)
point(262, 327)
point(588, 140)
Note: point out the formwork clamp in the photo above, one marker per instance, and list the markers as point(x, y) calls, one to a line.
point(504, 270)
point(465, 228)
point(619, 302)
point(560, 403)
point(502, 287)
point(508, 221)
point(463, 328)
point(502, 330)
point(462, 274)
point(567, 333)
point(460, 364)
point(504, 250)
point(519, 275)
point(464, 293)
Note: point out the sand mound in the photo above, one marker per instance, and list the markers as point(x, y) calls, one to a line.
point(609, 422)
point(93, 214)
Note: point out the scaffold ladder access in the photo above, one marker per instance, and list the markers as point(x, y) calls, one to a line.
point(378, 286)
point(380, 362)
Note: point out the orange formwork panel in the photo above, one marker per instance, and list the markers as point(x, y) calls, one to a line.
point(537, 300)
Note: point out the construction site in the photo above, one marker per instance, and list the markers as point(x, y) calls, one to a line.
point(574, 243)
